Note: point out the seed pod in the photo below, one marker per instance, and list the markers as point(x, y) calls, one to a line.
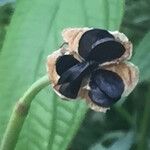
point(92, 67)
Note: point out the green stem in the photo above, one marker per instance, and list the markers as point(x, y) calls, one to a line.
point(19, 114)
point(142, 138)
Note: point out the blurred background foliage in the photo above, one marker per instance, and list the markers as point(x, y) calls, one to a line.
point(130, 121)
point(6, 12)
point(126, 125)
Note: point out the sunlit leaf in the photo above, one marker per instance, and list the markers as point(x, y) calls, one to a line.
point(2, 35)
point(33, 34)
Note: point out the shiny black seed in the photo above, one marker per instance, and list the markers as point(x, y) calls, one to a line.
point(106, 87)
point(73, 73)
point(71, 89)
point(98, 97)
point(71, 80)
point(89, 38)
point(65, 62)
point(77, 71)
point(106, 51)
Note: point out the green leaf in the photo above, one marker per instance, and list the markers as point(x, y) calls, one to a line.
point(2, 35)
point(33, 34)
point(142, 57)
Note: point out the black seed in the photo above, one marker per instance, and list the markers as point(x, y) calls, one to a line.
point(106, 51)
point(65, 62)
point(99, 98)
point(89, 38)
point(71, 80)
point(71, 89)
point(73, 73)
point(107, 86)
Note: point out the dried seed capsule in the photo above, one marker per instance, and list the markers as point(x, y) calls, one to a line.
point(91, 67)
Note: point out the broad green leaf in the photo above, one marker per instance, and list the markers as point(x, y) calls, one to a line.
point(2, 35)
point(142, 57)
point(33, 34)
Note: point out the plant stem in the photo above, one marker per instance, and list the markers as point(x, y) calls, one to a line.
point(19, 114)
point(142, 138)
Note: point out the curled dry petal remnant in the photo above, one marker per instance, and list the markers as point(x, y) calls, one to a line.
point(93, 66)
